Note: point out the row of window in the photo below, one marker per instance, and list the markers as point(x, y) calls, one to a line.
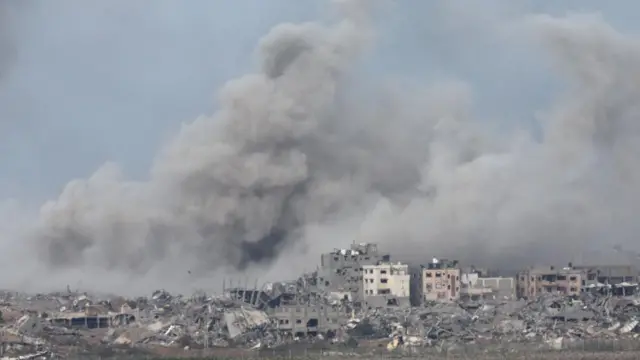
point(380, 292)
point(551, 278)
point(439, 274)
point(382, 280)
point(429, 287)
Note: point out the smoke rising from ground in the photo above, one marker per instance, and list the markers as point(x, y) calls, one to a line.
point(292, 164)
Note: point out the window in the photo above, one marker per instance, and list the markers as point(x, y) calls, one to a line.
point(429, 287)
point(298, 321)
point(573, 278)
point(448, 276)
point(384, 281)
point(428, 274)
point(573, 289)
point(438, 274)
point(448, 287)
point(383, 271)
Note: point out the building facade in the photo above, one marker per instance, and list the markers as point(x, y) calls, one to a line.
point(475, 286)
point(540, 280)
point(386, 284)
point(439, 281)
point(613, 279)
point(341, 271)
point(608, 274)
point(301, 320)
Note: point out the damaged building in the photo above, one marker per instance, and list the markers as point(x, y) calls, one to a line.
point(475, 285)
point(307, 320)
point(549, 280)
point(614, 279)
point(341, 271)
point(438, 281)
point(386, 284)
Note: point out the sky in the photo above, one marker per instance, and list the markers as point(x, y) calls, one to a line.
point(85, 82)
point(95, 81)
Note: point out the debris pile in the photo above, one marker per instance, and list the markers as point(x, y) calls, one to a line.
point(283, 314)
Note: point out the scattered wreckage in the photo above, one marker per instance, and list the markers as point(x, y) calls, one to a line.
point(282, 314)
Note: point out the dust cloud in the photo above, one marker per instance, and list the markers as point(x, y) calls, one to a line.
point(292, 164)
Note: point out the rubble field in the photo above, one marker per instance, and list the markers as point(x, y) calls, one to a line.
point(249, 323)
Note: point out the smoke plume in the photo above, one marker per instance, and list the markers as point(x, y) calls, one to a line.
point(293, 164)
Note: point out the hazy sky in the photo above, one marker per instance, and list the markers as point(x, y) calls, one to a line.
point(94, 81)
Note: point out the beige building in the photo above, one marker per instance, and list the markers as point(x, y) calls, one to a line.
point(536, 281)
point(386, 279)
point(440, 281)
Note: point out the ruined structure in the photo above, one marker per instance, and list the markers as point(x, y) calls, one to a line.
point(551, 280)
point(474, 285)
point(300, 320)
point(386, 284)
point(340, 271)
point(439, 281)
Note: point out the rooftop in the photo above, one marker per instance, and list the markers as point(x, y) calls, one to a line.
point(441, 264)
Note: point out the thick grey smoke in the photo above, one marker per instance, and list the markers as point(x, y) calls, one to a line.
point(293, 164)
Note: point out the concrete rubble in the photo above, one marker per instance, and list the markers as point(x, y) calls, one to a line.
point(48, 325)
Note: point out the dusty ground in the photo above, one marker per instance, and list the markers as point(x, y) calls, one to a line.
point(235, 354)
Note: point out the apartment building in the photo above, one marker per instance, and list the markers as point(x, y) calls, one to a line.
point(386, 284)
point(341, 271)
point(614, 279)
point(474, 285)
point(533, 282)
point(439, 281)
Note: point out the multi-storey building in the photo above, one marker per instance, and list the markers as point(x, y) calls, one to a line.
point(615, 279)
point(386, 284)
point(439, 281)
point(341, 271)
point(533, 282)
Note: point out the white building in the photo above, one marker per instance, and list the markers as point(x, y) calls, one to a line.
point(386, 279)
point(475, 286)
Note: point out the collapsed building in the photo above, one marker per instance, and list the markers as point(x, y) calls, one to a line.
point(357, 295)
point(475, 285)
